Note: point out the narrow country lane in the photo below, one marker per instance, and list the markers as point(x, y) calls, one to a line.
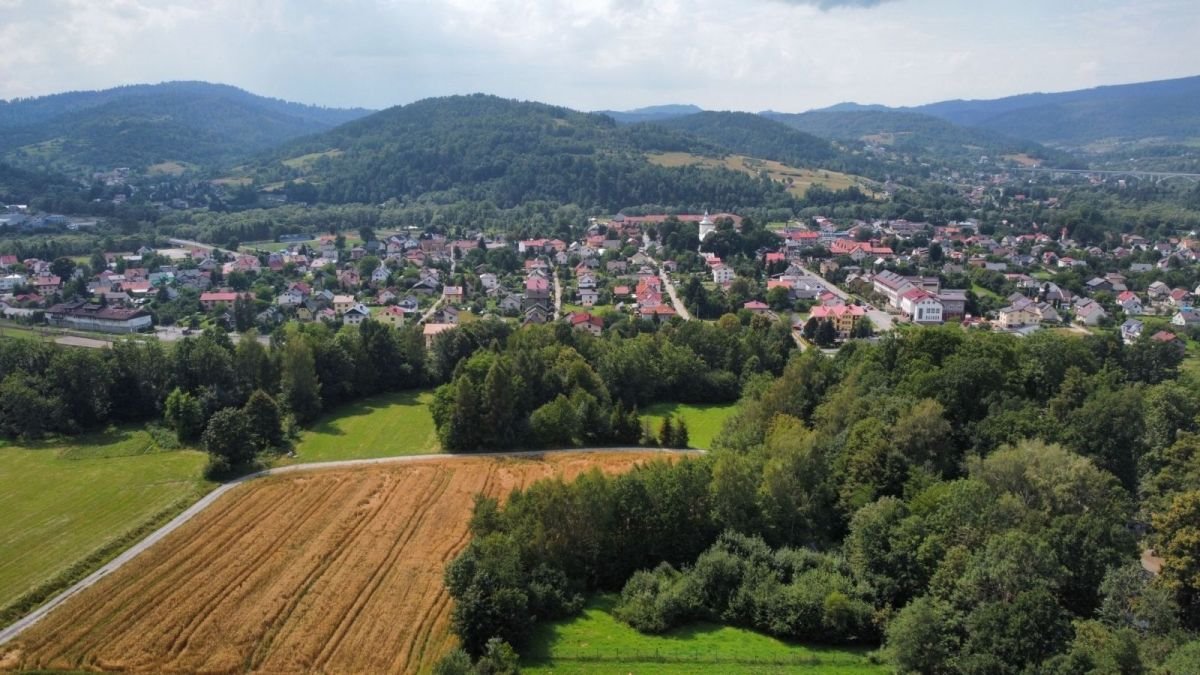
point(20, 625)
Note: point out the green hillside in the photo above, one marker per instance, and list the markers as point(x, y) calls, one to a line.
point(507, 152)
point(916, 134)
point(756, 136)
point(1168, 109)
point(142, 125)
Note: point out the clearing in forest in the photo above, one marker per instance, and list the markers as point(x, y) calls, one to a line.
point(329, 571)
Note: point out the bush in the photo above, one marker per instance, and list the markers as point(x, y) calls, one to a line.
point(455, 662)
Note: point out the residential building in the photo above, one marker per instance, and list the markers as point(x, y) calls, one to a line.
point(842, 316)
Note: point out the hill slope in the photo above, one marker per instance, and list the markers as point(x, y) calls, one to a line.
point(915, 134)
point(654, 113)
point(482, 147)
point(136, 126)
point(757, 136)
point(1163, 109)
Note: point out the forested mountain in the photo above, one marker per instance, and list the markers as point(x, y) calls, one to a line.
point(654, 113)
point(914, 133)
point(140, 125)
point(506, 152)
point(1167, 109)
point(754, 135)
point(18, 186)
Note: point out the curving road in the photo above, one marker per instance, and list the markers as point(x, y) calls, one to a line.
point(20, 625)
point(680, 308)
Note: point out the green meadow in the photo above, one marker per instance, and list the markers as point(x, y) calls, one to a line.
point(596, 642)
point(704, 420)
point(71, 505)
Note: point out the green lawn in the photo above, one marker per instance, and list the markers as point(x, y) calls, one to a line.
point(704, 420)
point(382, 426)
point(595, 642)
point(983, 292)
point(70, 505)
point(1191, 362)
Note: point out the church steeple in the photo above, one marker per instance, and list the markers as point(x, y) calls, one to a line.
point(706, 226)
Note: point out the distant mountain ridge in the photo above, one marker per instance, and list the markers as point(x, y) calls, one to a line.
point(139, 125)
point(654, 113)
point(1168, 109)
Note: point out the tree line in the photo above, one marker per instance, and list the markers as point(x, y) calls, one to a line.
point(969, 501)
point(556, 386)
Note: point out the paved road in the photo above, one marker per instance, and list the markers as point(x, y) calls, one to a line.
point(20, 625)
point(680, 309)
point(557, 295)
point(882, 320)
point(192, 244)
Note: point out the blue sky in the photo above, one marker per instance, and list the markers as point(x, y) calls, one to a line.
point(788, 55)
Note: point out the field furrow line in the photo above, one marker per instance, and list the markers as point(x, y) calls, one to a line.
point(220, 594)
point(345, 549)
point(283, 619)
point(362, 598)
point(135, 599)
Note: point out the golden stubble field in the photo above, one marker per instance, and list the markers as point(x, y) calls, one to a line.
point(335, 571)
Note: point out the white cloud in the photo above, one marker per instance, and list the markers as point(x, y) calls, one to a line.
point(737, 54)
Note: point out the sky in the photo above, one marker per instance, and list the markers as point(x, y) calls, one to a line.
point(786, 55)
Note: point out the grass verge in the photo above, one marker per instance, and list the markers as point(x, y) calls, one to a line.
point(596, 642)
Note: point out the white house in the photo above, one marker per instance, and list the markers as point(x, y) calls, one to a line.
point(722, 274)
point(921, 306)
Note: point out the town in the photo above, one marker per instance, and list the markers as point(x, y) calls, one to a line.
point(831, 281)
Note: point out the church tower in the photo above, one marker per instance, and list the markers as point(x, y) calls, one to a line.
point(706, 227)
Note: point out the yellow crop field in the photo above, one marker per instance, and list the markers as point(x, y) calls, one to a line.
point(320, 571)
point(799, 180)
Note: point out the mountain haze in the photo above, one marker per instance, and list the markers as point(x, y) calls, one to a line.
point(915, 134)
point(140, 125)
point(654, 113)
point(1166, 109)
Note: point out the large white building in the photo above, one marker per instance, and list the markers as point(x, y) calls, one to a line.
point(86, 316)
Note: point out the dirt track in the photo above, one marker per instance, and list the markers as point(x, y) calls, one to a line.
point(330, 571)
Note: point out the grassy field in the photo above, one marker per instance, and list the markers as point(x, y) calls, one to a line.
point(306, 161)
point(801, 179)
point(63, 502)
point(983, 292)
point(1191, 362)
point(595, 642)
point(383, 426)
point(704, 420)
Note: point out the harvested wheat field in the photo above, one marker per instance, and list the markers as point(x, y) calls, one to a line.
point(335, 571)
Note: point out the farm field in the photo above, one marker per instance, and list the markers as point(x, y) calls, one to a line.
point(704, 420)
point(801, 179)
point(596, 642)
point(380, 426)
point(325, 571)
point(65, 504)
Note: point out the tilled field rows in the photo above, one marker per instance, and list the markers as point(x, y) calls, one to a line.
point(337, 571)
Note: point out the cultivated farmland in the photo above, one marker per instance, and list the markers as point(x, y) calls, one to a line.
point(332, 571)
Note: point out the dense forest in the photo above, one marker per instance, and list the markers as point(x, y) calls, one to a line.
point(920, 136)
point(556, 386)
point(1160, 109)
point(973, 502)
point(141, 125)
point(756, 136)
point(507, 152)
